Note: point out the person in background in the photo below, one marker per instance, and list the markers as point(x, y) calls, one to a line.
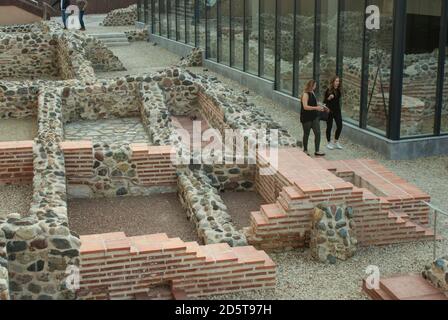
point(333, 101)
point(82, 5)
point(310, 118)
point(63, 6)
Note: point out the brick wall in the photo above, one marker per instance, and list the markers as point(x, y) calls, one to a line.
point(16, 162)
point(380, 219)
point(212, 113)
point(153, 163)
point(114, 266)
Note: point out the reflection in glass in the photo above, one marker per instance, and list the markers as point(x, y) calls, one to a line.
point(286, 45)
point(420, 67)
point(351, 43)
point(180, 20)
point(252, 23)
point(237, 35)
point(267, 38)
point(190, 26)
point(212, 36)
point(224, 54)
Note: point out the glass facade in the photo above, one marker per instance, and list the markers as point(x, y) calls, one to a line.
point(395, 78)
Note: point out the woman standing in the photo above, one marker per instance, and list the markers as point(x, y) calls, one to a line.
point(333, 101)
point(309, 117)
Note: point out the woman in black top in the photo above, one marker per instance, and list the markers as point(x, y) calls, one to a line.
point(309, 117)
point(333, 101)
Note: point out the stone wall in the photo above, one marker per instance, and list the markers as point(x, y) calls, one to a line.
point(102, 170)
point(121, 17)
point(28, 56)
point(332, 234)
point(4, 276)
point(40, 246)
point(437, 274)
point(207, 210)
point(137, 35)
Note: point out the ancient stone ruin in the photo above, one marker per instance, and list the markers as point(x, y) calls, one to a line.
point(109, 138)
point(121, 17)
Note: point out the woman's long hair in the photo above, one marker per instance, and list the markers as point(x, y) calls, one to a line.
point(309, 86)
point(331, 87)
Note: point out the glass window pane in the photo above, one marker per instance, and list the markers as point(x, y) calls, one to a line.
point(190, 21)
point(156, 16)
point(172, 18)
point(140, 11)
point(163, 18)
point(328, 43)
point(351, 43)
point(267, 38)
point(286, 45)
point(212, 39)
point(420, 67)
point(201, 13)
point(224, 55)
point(237, 34)
point(180, 20)
point(252, 23)
point(444, 124)
point(305, 35)
point(379, 53)
point(147, 13)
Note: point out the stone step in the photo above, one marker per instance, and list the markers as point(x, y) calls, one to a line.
point(108, 35)
point(117, 44)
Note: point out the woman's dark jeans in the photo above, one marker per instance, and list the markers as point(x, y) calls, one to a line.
point(81, 19)
point(307, 127)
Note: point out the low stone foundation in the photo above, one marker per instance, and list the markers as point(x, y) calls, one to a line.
point(206, 209)
point(121, 17)
point(437, 274)
point(332, 234)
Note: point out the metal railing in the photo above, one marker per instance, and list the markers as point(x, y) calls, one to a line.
point(439, 214)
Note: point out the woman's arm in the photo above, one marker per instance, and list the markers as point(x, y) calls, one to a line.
point(305, 99)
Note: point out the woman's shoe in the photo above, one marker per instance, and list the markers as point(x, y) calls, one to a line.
point(319, 154)
point(330, 145)
point(307, 153)
point(338, 146)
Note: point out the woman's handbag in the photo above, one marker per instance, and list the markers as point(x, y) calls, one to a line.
point(324, 115)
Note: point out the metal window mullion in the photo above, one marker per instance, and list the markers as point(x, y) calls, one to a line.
point(176, 24)
point(207, 32)
point(364, 74)
point(277, 51)
point(232, 39)
point(218, 31)
point(260, 40)
point(295, 62)
point(441, 69)
point(339, 38)
point(316, 44)
point(245, 38)
point(396, 79)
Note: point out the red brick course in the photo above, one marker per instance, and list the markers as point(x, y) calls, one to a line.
point(114, 266)
point(153, 163)
point(16, 162)
point(301, 183)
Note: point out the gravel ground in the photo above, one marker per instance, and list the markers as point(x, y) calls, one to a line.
point(298, 276)
point(18, 129)
point(240, 205)
point(15, 199)
point(161, 213)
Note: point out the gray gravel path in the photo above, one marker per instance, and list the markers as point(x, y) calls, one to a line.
point(15, 199)
point(159, 213)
